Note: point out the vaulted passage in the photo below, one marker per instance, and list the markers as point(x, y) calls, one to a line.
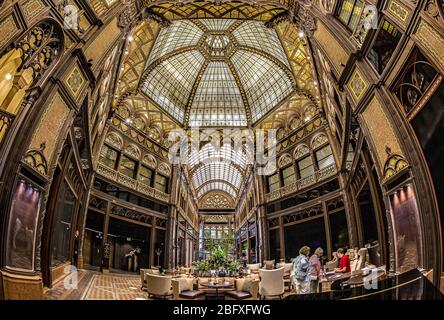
point(221, 149)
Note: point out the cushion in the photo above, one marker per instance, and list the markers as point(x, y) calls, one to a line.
point(246, 286)
point(185, 284)
point(191, 294)
point(238, 294)
point(269, 264)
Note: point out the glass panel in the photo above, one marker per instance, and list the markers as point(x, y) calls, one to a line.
point(384, 46)
point(217, 24)
point(305, 167)
point(275, 250)
point(108, 156)
point(289, 175)
point(63, 213)
point(404, 212)
point(368, 215)
point(265, 85)
point(159, 247)
point(217, 171)
point(219, 185)
point(161, 183)
point(218, 101)
point(310, 233)
point(273, 182)
point(339, 231)
point(180, 34)
point(145, 175)
point(171, 82)
point(346, 10)
point(254, 34)
point(126, 237)
point(324, 157)
point(354, 19)
point(22, 227)
point(127, 166)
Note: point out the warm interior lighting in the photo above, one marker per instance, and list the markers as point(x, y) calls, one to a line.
point(8, 76)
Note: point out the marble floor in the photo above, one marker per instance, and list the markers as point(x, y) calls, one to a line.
point(92, 285)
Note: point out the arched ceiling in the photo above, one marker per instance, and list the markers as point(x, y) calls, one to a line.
point(217, 72)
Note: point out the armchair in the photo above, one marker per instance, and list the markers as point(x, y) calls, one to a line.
point(183, 289)
point(271, 283)
point(158, 286)
point(246, 289)
point(269, 264)
point(143, 273)
point(254, 267)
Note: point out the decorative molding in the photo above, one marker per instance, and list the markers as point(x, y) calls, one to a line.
point(301, 184)
point(8, 28)
point(357, 85)
point(75, 81)
point(394, 164)
point(399, 11)
point(33, 8)
point(431, 40)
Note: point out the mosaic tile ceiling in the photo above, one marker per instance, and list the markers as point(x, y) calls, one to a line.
point(217, 72)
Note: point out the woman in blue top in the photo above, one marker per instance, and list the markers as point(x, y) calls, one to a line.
point(300, 274)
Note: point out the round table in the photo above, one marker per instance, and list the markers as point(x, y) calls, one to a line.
point(217, 285)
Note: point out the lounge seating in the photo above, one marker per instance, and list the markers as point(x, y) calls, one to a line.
point(287, 271)
point(246, 289)
point(158, 286)
point(268, 264)
point(183, 289)
point(143, 273)
point(254, 268)
point(271, 283)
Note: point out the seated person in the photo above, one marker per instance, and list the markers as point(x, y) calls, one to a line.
point(344, 262)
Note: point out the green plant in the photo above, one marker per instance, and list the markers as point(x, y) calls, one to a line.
point(202, 265)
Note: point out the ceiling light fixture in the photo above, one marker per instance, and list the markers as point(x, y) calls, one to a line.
point(8, 76)
point(301, 34)
point(130, 38)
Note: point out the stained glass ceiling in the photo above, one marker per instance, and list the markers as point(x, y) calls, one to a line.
point(217, 73)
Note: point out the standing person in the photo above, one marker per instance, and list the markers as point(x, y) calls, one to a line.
point(344, 262)
point(76, 248)
point(301, 276)
point(315, 270)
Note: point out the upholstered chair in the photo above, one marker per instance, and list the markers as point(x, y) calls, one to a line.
point(287, 271)
point(143, 273)
point(183, 289)
point(254, 267)
point(158, 286)
point(361, 261)
point(268, 264)
point(271, 283)
point(246, 289)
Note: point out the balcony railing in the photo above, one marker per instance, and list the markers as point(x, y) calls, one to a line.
point(6, 120)
point(133, 184)
point(302, 183)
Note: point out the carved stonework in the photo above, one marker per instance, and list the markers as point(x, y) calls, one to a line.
point(432, 9)
point(36, 160)
point(130, 214)
point(216, 201)
point(357, 85)
point(301, 151)
point(39, 47)
point(394, 164)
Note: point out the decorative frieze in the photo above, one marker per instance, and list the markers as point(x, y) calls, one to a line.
point(301, 184)
point(357, 85)
point(131, 214)
point(8, 28)
point(75, 81)
point(432, 41)
point(399, 11)
point(133, 184)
